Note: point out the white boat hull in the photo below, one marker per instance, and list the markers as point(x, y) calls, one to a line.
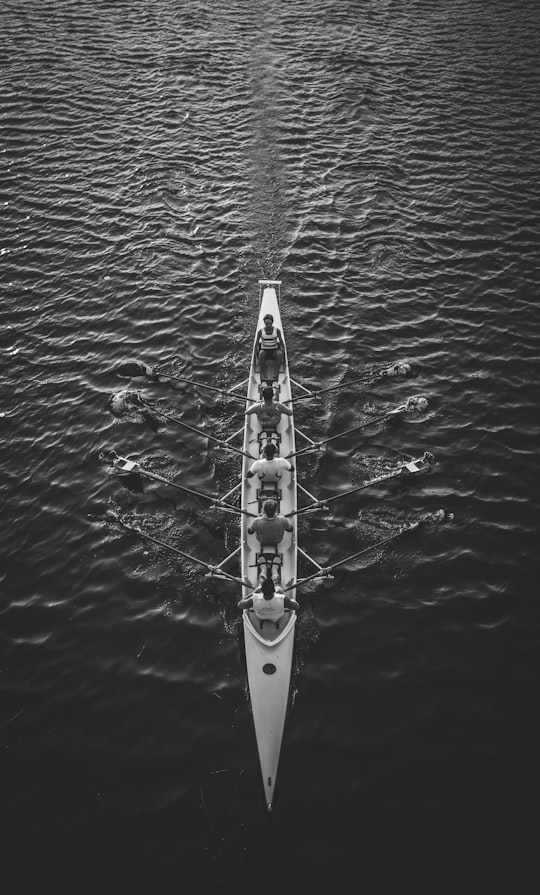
point(269, 677)
point(269, 647)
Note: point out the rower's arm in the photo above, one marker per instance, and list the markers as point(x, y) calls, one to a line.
point(258, 343)
point(245, 603)
point(284, 409)
point(290, 603)
point(280, 339)
point(252, 409)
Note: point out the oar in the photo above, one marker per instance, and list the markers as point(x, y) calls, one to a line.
point(316, 446)
point(392, 371)
point(200, 562)
point(210, 388)
point(219, 441)
point(412, 467)
point(123, 465)
point(326, 570)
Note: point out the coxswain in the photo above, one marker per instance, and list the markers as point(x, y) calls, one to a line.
point(269, 347)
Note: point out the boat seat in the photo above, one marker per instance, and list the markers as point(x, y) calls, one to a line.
point(268, 551)
point(269, 489)
point(269, 557)
point(269, 435)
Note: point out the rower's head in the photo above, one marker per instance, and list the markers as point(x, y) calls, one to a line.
point(269, 450)
point(268, 321)
point(268, 393)
point(268, 589)
point(269, 508)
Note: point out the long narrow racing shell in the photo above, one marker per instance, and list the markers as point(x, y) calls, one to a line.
point(269, 645)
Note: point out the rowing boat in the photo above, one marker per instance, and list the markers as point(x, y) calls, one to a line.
point(268, 644)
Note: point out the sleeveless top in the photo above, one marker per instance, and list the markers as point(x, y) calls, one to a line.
point(272, 609)
point(269, 413)
point(269, 341)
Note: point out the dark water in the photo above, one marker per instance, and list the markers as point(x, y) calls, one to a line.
point(381, 159)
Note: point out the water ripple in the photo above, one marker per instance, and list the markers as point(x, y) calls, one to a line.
point(158, 160)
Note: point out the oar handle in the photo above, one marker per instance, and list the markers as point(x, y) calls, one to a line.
point(315, 446)
point(311, 508)
point(222, 505)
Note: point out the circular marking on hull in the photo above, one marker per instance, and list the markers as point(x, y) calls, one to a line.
point(269, 668)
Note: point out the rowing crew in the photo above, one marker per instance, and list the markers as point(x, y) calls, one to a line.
point(269, 600)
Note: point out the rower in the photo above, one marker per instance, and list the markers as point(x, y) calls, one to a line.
point(269, 412)
point(268, 601)
point(269, 529)
point(269, 469)
point(269, 347)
